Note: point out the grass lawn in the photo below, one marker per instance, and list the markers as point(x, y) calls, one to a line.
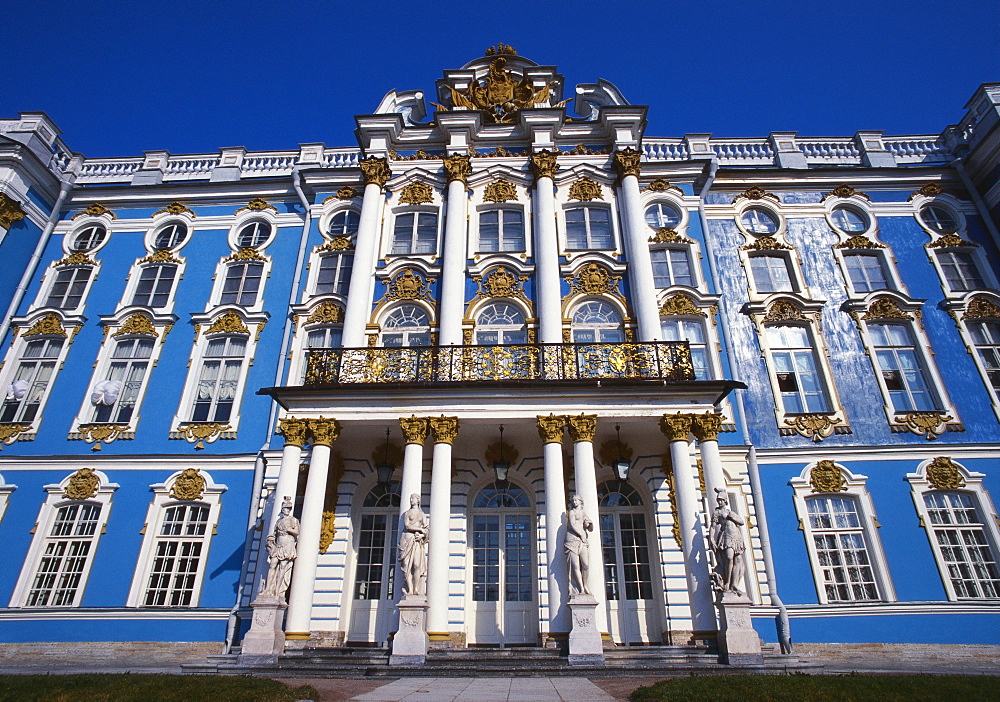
point(147, 688)
point(824, 688)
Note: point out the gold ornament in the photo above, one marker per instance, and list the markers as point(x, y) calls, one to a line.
point(95, 210)
point(247, 253)
point(679, 304)
point(77, 258)
point(82, 485)
point(458, 167)
point(500, 282)
point(414, 429)
point(612, 449)
point(755, 192)
point(582, 427)
point(627, 162)
point(783, 311)
point(594, 280)
point(943, 474)
point(766, 243)
point(550, 429)
point(347, 193)
point(189, 485)
point(327, 312)
point(706, 427)
point(327, 531)
point(493, 453)
point(929, 190)
point(859, 241)
point(951, 240)
point(981, 307)
point(585, 189)
point(543, 164)
point(885, 308)
point(324, 431)
point(49, 325)
point(138, 323)
point(10, 211)
point(391, 453)
point(658, 186)
point(844, 191)
point(676, 427)
point(416, 194)
point(294, 430)
point(500, 191)
point(406, 285)
point(9, 433)
point(174, 208)
point(259, 205)
point(98, 433)
point(816, 426)
point(161, 256)
point(229, 323)
point(827, 477)
point(930, 424)
point(375, 170)
point(198, 433)
point(499, 96)
point(445, 429)
point(667, 235)
point(501, 49)
point(667, 468)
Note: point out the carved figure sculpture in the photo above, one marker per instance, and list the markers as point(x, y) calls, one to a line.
point(726, 540)
point(281, 552)
point(413, 548)
point(578, 528)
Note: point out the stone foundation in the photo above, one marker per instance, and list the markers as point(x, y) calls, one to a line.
point(103, 654)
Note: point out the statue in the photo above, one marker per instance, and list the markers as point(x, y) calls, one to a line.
point(578, 524)
point(726, 539)
point(413, 549)
point(281, 547)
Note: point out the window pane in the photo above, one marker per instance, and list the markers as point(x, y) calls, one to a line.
point(866, 272)
point(844, 567)
point(771, 273)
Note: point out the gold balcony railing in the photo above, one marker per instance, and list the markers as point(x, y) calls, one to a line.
point(655, 360)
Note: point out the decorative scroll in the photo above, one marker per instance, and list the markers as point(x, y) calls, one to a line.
point(201, 433)
point(416, 194)
point(845, 191)
point(327, 312)
point(139, 324)
point(10, 211)
point(375, 170)
point(815, 425)
point(98, 433)
point(943, 474)
point(585, 189)
point(766, 243)
point(827, 477)
point(784, 311)
point(49, 325)
point(338, 243)
point(95, 210)
point(593, 279)
point(82, 485)
point(9, 433)
point(161, 256)
point(500, 282)
point(627, 162)
point(500, 191)
point(175, 208)
point(445, 429)
point(327, 531)
point(247, 253)
point(667, 235)
point(257, 205)
point(667, 468)
point(229, 323)
point(679, 304)
point(949, 241)
point(550, 428)
point(885, 308)
point(77, 258)
point(755, 192)
point(981, 307)
point(930, 424)
point(458, 167)
point(189, 485)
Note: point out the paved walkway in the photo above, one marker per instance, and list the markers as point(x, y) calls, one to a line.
point(487, 690)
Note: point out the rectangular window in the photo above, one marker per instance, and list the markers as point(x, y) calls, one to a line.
point(219, 380)
point(242, 284)
point(986, 337)
point(486, 558)
point(155, 285)
point(961, 541)
point(31, 379)
point(68, 288)
point(635, 557)
point(334, 274)
point(771, 273)
point(845, 569)
point(117, 395)
point(795, 367)
point(960, 270)
point(693, 332)
point(671, 267)
point(177, 556)
point(415, 233)
point(501, 230)
point(65, 555)
point(375, 562)
point(902, 368)
point(588, 228)
point(866, 272)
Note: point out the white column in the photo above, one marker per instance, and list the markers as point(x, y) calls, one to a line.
point(548, 299)
point(359, 293)
point(581, 430)
point(676, 428)
point(445, 431)
point(294, 431)
point(456, 232)
point(706, 428)
point(640, 266)
point(550, 429)
point(415, 432)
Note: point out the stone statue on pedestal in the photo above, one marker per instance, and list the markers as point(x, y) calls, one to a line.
point(578, 528)
point(413, 549)
point(726, 540)
point(281, 551)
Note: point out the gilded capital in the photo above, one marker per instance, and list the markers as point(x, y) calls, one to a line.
point(706, 427)
point(445, 429)
point(676, 427)
point(324, 431)
point(582, 427)
point(543, 164)
point(458, 167)
point(294, 430)
point(627, 162)
point(414, 429)
point(375, 170)
point(550, 429)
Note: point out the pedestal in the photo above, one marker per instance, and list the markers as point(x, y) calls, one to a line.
point(409, 645)
point(738, 641)
point(266, 638)
point(585, 645)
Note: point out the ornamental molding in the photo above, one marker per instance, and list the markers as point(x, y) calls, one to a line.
point(229, 323)
point(583, 150)
point(706, 427)
point(9, 433)
point(585, 189)
point(928, 190)
point(327, 312)
point(943, 474)
point(859, 241)
point(247, 253)
point(755, 192)
point(327, 530)
point(99, 433)
point(550, 428)
point(175, 208)
point(668, 235)
point(825, 476)
point(161, 256)
point(766, 243)
point(189, 485)
point(375, 170)
point(10, 211)
point(445, 429)
point(951, 240)
point(95, 210)
point(414, 429)
point(346, 193)
point(783, 310)
point(49, 325)
point(418, 155)
point(416, 194)
point(544, 164)
point(500, 282)
point(257, 205)
point(77, 258)
point(323, 431)
point(885, 308)
point(981, 307)
point(594, 279)
point(139, 324)
point(845, 191)
point(814, 425)
point(201, 433)
point(82, 485)
point(662, 186)
point(500, 96)
point(627, 162)
point(667, 468)
point(500, 49)
point(406, 285)
point(294, 430)
point(458, 167)
point(500, 191)
point(337, 244)
point(500, 152)
point(680, 304)
point(928, 424)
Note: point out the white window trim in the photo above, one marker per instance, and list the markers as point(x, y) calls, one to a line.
point(770, 204)
point(13, 360)
point(221, 271)
point(983, 267)
point(245, 218)
point(673, 197)
point(921, 484)
point(388, 238)
point(43, 526)
point(163, 219)
point(133, 283)
point(49, 279)
point(856, 202)
point(5, 492)
point(949, 202)
point(315, 264)
point(616, 234)
point(707, 319)
point(211, 498)
point(522, 188)
point(957, 310)
point(478, 210)
point(854, 486)
point(881, 250)
point(72, 228)
point(297, 354)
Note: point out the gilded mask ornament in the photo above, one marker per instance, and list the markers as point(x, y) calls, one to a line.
point(9, 433)
point(827, 477)
point(10, 211)
point(816, 426)
point(981, 307)
point(950, 240)
point(189, 485)
point(175, 208)
point(784, 311)
point(844, 191)
point(755, 192)
point(929, 190)
point(82, 485)
point(680, 304)
point(327, 312)
point(499, 95)
point(200, 433)
point(247, 254)
point(594, 280)
point(406, 286)
point(859, 241)
point(347, 193)
point(943, 474)
point(229, 323)
point(416, 194)
point(885, 308)
point(500, 191)
point(138, 323)
point(160, 256)
point(95, 210)
point(49, 325)
point(658, 185)
point(585, 189)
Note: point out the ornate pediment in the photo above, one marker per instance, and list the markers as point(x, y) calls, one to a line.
point(593, 279)
point(500, 95)
point(500, 191)
point(585, 189)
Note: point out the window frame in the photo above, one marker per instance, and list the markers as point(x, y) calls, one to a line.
point(416, 212)
point(978, 308)
point(15, 358)
point(428, 329)
point(500, 209)
point(711, 346)
point(132, 290)
point(578, 304)
point(821, 371)
point(340, 279)
point(52, 278)
point(614, 242)
point(975, 259)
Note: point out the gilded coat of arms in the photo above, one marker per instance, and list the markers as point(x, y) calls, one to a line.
point(499, 95)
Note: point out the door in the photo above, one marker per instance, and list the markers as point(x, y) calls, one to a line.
point(633, 614)
point(374, 602)
point(503, 607)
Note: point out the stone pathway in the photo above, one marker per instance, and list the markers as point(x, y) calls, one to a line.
point(487, 690)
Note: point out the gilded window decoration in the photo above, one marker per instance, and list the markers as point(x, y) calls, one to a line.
point(844, 191)
point(928, 190)
point(585, 189)
point(659, 185)
point(949, 241)
point(406, 285)
point(943, 474)
point(500, 191)
point(49, 325)
point(814, 425)
point(95, 210)
point(82, 485)
point(594, 279)
point(930, 424)
point(500, 95)
point(827, 477)
point(859, 241)
point(247, 253)
point(327, 312)
point(500, 282)
point(99, 433)
point(10, 211)
point(885, 308)
point(668, 235)
point(680, 304)
point(77, 258)
point(201, 433)
point(783, 311)
point(189, 485)
point(766, 243)
point(161, 256)
point(347, 193)
point(416, 194)
point(755, 192)
point(9, 433)
point(257, 205)
point(138, 324)
point(981, 307)
point(229, 323)
point(175, 208)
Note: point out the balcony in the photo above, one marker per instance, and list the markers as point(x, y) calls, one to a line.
point(667, 361)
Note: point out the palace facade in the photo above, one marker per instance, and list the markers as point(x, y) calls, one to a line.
point(495, 306)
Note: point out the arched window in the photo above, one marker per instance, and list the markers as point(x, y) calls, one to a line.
point(116, 396)
point(155, 284)
point(414, 233)
point(501, 230)
point(377, 534)
point(253, 234)
point(219, 380)
point(406, 325)
point(242, 284)
point(588, 228)
point(693, 332)
point(68, 287)
point(334, 274)
point(500, 323)
point(501, 544)
point(595, 321)
point(170, 236)
point(31, 379)
point(793, 359)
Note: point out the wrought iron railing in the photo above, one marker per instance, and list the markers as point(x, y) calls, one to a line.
point(655, 360)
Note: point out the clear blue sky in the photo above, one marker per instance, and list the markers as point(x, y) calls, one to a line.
point(122, 77)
